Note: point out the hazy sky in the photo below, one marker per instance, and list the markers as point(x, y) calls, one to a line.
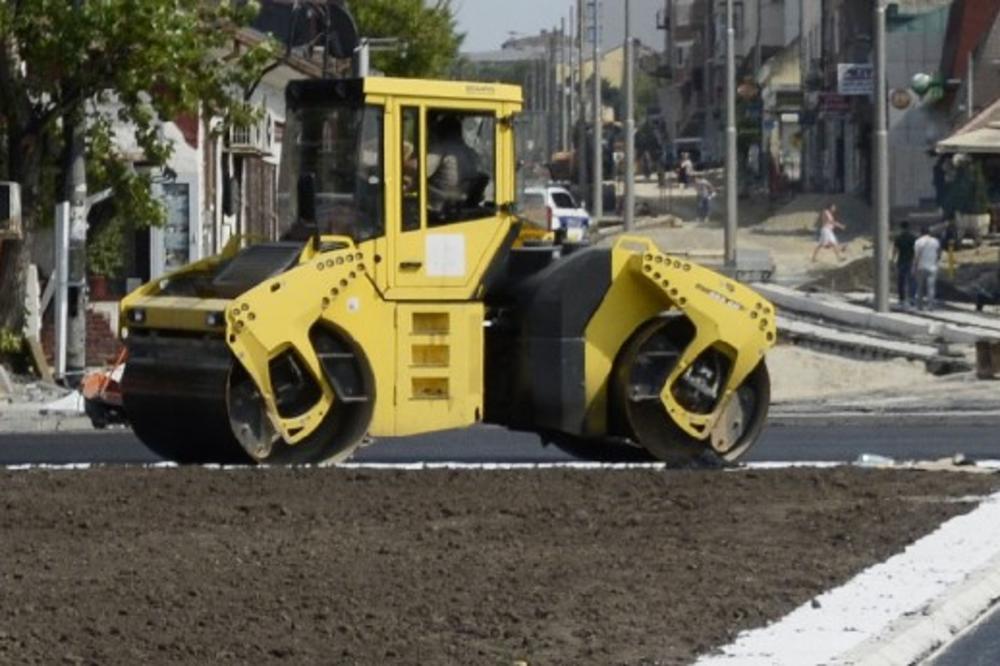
point(487, 23)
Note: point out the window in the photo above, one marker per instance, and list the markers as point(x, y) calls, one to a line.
point(532, 208)
point(335, 153)
point(562, 199)
point(461, 166)
point(177, 246)
point(410, 161)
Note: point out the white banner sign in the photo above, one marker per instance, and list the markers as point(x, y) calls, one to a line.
point(855, 79)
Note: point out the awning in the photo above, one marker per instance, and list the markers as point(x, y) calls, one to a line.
point(982, 140)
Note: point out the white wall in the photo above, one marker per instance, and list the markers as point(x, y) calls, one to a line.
point(912, 131)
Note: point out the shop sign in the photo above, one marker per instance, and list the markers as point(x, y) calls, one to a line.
point(833, 104)
point(855, 79)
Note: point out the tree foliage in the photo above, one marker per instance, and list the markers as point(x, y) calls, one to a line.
point(427, 26)
point(110, 64)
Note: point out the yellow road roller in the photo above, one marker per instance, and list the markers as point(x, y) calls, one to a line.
point(395, 302)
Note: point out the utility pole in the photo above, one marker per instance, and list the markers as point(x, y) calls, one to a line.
point(569, 73)
point(597, 206)
point(731, 210)
point(757, 55)
point(803, 73)
point(580, 154)
point(554, 89)
point(570, 81)
point(881, 166)
point(667, 111)
point(668, 34)
point(970, 89)
point(62, 286)
point(629, 121)
point(565, 85)
point(76, 194)
point(708, 80)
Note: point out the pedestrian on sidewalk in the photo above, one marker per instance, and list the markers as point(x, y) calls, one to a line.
point(685, 170)
point(706, 192)
point(902, 255)
point(828, 225)
point(927, 252)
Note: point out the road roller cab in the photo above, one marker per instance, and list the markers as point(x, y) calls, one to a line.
point(395, 303)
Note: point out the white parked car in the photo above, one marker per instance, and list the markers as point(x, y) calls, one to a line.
point(552, 209)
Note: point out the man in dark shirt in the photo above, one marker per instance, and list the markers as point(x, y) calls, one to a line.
point(902, 254)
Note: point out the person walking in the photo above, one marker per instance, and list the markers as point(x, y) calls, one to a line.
point(706, 192)
point(926, 253)
point(685, 170)
point(828, 225)
point(902, 255)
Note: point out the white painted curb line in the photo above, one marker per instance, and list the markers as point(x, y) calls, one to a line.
point(896, 612)
point(421, 466)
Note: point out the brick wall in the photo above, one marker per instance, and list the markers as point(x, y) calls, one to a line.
point(103, 344)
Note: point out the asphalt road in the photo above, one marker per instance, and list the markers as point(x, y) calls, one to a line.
point(829, 441)
point(978, 646)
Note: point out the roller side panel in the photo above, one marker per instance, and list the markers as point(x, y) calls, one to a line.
point(535, 347)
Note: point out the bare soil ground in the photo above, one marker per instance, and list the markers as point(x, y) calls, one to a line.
point(335, 566)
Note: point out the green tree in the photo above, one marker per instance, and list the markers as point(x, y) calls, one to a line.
point(107, 63)
point(427, 27)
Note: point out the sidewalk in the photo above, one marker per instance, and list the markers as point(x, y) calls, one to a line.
point(36, 406)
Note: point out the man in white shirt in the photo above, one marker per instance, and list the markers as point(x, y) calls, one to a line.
point(926, 252)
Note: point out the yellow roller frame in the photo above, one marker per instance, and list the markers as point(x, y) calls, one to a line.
point(278, 314)
point(727, 316)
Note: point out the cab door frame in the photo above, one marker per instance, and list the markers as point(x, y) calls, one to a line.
point(478, 240)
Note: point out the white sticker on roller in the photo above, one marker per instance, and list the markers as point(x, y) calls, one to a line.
point(446, 255)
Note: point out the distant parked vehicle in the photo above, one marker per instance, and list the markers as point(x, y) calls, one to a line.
point(554, 215)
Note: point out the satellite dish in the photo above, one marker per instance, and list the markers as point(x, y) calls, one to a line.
point(292, 23)
point(300, 24)
point(342, 32)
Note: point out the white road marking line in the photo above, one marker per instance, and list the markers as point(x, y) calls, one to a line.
point(418, 466)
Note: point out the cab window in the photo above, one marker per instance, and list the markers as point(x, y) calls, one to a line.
point(409, 159)
point(460, 167)
point(337, 149)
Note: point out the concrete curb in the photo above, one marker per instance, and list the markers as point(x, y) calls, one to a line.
point(914, 637)
point(614, 229)
point(904, 325)
point(43, 423)
point(889, 418)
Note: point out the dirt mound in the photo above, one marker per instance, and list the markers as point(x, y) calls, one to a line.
point(803, 374)
point(309, 566)
point(857, 275)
